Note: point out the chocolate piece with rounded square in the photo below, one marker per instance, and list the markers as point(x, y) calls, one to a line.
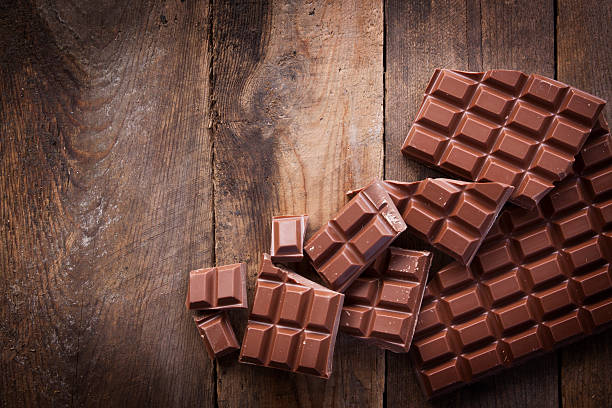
point(293, 323)
point(502, 126)
point(382, 305)
point(541, 279)
point(288, 238)
point(222, 287)
point(342, 249)
point(451, 215)
point(216, 332)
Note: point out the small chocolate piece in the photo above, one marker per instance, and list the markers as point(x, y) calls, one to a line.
point(288, 238)
point(222, 287)
point(453, 216)
point(293, 323)
point(381, 306)
point(502, 126)
point(217, 333)
point(350, 242)
point(540, 280)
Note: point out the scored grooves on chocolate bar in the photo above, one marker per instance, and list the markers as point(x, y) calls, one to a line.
point(541, 279)
point(221, 287)
point(502, 126)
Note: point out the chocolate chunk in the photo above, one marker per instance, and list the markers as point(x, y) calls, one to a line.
point(222, 287)
point(217, 333)
point(342, 249)
point(540, 280)
point(288, 238)
point(502, 126)
point(381, 306)
point(293, 323)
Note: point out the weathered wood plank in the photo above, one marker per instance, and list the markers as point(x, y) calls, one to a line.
point(474, 36)
point(297, 118)
point(106, 202)
point(584, 52)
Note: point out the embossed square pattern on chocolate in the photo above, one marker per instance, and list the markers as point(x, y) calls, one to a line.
point(216, 332)
point(541, 279)
point(293, 323)
point(451, 215)
point(222, 287)
point(502, 126)
point(381, 306)
point(288, 238)
point(342, 249)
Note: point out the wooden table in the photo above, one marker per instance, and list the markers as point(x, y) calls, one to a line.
point(140, 140)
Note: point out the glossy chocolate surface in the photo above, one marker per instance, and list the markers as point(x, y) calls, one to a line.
point(293, 323)
point(216, 332)
point(541, 279)
point(342, 249)
point(288, 238)
point(502, 126)
point(222, 287)
point(381, 306)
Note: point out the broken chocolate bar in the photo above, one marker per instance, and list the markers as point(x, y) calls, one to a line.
point(288, 238)
point(382, 305)
point(502, 126)
point(222, 287)
point(342, 249)
point(217, 333)
point(293, 323)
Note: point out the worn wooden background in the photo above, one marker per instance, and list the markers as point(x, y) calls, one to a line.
point(139, 139)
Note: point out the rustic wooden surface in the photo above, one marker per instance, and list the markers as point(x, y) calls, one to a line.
point(139, 140)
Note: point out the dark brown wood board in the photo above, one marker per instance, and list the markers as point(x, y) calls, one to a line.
point(583, 45)
point(139, 140)
point(106, 202)
point(297, 118)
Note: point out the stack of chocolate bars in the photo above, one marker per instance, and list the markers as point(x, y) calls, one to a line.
point(529, 227)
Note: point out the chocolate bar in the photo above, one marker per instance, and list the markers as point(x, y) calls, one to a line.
point(222, 287)
point(293, 323)
point(342, 249)
point(541, 279)
point(288, 238)
point(217, 333)
point(381, 306)
point(502, 126)
point(453, 216)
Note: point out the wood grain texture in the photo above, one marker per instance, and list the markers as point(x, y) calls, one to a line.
point(584, 52)
point(475, 36)
point(297, 118)
point(106, 202)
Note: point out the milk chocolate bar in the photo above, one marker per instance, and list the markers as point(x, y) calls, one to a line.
point(541, 279)
point(288, 238)
point(502, 126)
point(293, 323)
point(451, 215)
point(222, 287)
point(342, 249)
point(216, 332)
point(381, 306)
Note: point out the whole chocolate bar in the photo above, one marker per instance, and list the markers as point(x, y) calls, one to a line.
point(342, 249)
point(453, 216)
point(222, 287)
point(293, 324)
point(288, 238)
point(502, 126)
point(541, 280)
point(216, 332)
point(381, 306)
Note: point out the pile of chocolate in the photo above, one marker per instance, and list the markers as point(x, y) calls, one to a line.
point(528, 277)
